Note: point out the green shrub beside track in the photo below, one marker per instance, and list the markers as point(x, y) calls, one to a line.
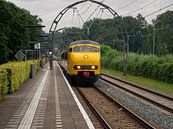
point(159, 68)
point(13, 74)
point(3, 82)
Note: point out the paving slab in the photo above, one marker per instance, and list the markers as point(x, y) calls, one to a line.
point(44, 102)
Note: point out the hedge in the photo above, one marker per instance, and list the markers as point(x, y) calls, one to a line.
point(3, 83)
point(13, 74)
point(159, 68)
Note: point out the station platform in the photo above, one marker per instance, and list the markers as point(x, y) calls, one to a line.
point(45, 102)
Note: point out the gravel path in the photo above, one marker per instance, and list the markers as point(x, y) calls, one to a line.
point(161, 119)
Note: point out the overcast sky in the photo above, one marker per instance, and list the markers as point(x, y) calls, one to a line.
point(47, 10)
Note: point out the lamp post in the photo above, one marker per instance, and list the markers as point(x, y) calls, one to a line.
point(126, 42)
point(126, 51)
point(154, 38)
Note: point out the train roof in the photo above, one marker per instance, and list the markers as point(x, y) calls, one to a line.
point(84, 42)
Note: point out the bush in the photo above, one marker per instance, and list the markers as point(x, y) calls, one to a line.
point(18, 72)
point(3, 83)
point(159, 68)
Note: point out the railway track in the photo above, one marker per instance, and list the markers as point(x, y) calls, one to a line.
point(96, 118)
point(113, 119)
point(109, 112)
point(160, 100)
point(98, 121)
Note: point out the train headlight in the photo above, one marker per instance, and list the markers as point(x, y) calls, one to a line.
point(93, 67)
point(85, 57)
point(78, 67)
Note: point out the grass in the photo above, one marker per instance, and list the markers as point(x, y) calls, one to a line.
point(160, 86)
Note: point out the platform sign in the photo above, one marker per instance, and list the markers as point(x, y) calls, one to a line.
point(19, 55)
point(37, 46)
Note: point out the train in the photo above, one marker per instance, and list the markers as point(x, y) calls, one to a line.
point(83, 61)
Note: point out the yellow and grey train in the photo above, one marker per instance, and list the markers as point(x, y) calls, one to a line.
point(83, 61)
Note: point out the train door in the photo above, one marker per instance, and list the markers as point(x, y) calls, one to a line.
point(68, 58)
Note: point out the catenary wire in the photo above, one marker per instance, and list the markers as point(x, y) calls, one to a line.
point(82, 6)
point(94, 11)
point(87, 9)
point(127, 5)
point(159, 10)
point(72, 20)
point(95, 18)
point(141, 7)
point(81, 17)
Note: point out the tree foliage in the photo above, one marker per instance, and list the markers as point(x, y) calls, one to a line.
point(15, 34)
point(164, 33)
point(136, 31)
point(107, 31)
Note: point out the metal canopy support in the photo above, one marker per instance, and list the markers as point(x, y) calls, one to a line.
point(58, 18)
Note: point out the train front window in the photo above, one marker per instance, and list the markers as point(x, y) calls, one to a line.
point(85, 49)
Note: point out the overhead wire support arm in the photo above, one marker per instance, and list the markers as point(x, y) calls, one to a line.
point(60, 15)
point(74, 10)
point(102, 10)
point(81, 18)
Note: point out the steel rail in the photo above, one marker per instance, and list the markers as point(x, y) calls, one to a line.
point(101, 118)
point(130, 112)
point(139, 95)
point(138, 86)
point(94, 110)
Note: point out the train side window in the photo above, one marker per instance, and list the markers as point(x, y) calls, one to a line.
point(70, 50)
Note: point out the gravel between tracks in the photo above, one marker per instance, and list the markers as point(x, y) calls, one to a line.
point(153, 115)
point(111, 112)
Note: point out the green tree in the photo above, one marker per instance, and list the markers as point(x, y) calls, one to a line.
point(164, 32)
point(14, 34)
point(137, 32)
